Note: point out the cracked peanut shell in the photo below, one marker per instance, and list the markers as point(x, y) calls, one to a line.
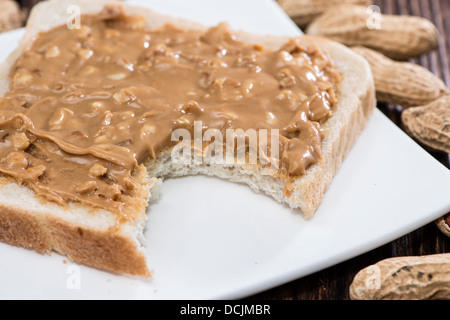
point(430, 124)
point(404, 278)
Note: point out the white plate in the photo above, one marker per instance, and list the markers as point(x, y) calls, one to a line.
point(211, 239)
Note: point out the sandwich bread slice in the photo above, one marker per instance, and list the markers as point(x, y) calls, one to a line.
point(108, 235)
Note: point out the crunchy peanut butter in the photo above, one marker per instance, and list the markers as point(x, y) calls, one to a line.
point(88, 106)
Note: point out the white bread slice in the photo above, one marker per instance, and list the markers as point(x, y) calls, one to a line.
point(86, 235)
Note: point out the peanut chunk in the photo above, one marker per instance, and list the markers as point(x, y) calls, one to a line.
point(61, 115)
point(125, 115)
point(124, 96)
point(247, 86)
point(284, 58)
point(86, 187)
point(205, 80)
point(145, 66)
point(229, 115)
point(130, 183)
point(20, 141)
point(88, 70)
point(102, 139)
point(97, 106)
point(83, 32)
point(106, 119)
point(217, 63)
point(52, 52)
point(218, 83)
point(22, 79)
point(270, 118)
point(85, 53)
point(190, 107)
point(125, 63)
point(97, 170)
point(185, 120)
point(149, 114)
point(147, 129)
point(114, 191)
point(287, 82)
point(112, 33)
point(246, 60)
point(117, 76)
point(17, 160)
point(35, 172)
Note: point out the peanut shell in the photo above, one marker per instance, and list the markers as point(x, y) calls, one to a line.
point(398, 37)
point(302, 12)
point(430, 124)
point(404, 278)
point(403, 83)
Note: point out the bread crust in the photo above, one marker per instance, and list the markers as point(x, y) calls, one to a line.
point(113, 250)
point(102, 249)
point(352, 113)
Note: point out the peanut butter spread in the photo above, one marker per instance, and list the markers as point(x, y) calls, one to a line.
point(88, 107)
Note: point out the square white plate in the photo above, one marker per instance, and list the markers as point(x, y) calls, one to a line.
point(211, 239)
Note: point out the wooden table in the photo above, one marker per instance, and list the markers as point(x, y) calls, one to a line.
point(333, 283)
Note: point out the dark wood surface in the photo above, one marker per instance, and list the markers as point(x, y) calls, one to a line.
point(333, 283)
